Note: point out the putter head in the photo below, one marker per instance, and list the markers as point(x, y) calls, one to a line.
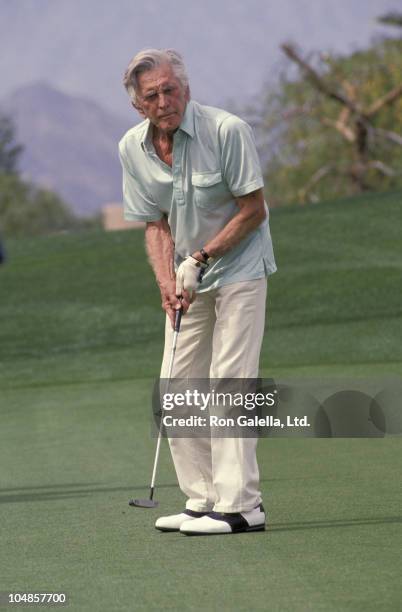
point(143, 503)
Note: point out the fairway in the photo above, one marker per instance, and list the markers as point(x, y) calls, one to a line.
point(80, 346)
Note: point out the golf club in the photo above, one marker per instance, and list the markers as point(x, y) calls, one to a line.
point(151, 503)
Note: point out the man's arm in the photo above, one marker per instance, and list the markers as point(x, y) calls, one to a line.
point(160, 249)
point(251, 214)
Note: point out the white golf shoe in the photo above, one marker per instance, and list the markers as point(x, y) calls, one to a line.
point(215, 523)
point(175, 521)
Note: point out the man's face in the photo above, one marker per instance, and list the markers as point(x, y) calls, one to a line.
point(162, 98)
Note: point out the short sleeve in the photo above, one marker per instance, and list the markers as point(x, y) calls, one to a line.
point(239, 158)
point(138, 205)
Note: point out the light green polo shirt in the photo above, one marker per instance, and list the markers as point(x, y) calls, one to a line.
point(214, 161)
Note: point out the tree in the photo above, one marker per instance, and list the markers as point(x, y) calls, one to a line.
point(24, 208)
point(394, 18)
point(355, 122)
point(334, 127)
point(9, 149)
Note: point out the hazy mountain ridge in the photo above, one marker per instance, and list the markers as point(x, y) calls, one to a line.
point(81, 50)
point(230, 47)
point(70, 145)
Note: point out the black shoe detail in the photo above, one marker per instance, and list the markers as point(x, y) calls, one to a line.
point(234, 519)
point(167, 529)
point(194, 514)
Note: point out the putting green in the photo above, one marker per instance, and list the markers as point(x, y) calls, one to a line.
point(80, 344)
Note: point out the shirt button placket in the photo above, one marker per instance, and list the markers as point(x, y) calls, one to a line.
point(177, 173)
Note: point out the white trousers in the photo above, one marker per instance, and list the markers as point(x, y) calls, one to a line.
point(220, 337)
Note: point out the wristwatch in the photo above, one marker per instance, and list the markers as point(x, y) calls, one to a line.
point(207, 259)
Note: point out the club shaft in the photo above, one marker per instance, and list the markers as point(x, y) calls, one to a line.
point(158, 444)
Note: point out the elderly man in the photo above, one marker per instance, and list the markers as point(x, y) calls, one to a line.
point(192, 173)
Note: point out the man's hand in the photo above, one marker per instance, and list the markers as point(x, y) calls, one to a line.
point(189, 275)
point(170, 301)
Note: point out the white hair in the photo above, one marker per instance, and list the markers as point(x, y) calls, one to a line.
point(149, 59)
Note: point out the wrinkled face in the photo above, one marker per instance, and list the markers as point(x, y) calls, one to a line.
point(162, 98)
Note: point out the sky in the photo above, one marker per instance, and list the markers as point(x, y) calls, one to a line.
point(230, 47)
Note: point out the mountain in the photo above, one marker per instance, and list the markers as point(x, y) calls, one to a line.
point(62, 65)
point(231, 47)
point(70, 145)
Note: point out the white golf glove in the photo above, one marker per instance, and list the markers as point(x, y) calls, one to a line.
point(189, 275)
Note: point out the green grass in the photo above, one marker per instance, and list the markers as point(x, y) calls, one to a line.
point(80, 343)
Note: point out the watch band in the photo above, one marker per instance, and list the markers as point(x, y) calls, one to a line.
point(204, 255)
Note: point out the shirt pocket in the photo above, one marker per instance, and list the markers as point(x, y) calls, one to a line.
point(209, 189)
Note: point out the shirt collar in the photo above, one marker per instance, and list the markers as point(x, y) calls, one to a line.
point(187, 125)
point(146, 142)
